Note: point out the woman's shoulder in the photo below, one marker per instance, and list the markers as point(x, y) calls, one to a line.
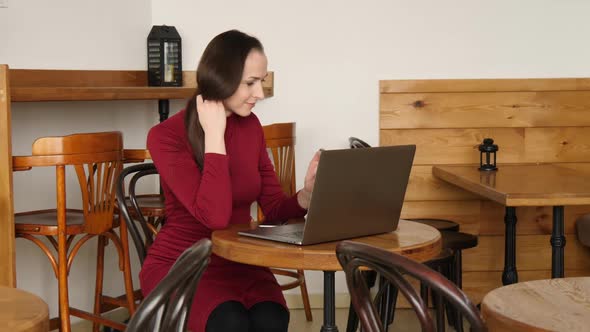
point(170, 130)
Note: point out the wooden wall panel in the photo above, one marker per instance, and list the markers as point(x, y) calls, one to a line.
point(517, 145)
point(7, 253)
point(466, 213)
point(533, 252)
point(423, 186)
point(531, 220)
point(481, 110)
point(484, 85)
point(532, 121)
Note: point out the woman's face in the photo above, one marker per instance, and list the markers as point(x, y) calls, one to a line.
point(250, 89)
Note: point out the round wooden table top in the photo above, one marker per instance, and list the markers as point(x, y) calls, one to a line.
point(22, 311)
point(540, 305)
point(411, 239)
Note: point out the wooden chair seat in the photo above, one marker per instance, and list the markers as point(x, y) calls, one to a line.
point(44, 222)
point(151, 205)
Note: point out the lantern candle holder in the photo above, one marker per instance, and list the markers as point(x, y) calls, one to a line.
point(164, 56)
point(487, 155)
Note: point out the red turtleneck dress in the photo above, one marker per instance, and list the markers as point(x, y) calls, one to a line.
point(198, 203)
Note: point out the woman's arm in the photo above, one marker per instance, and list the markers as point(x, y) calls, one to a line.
point(207, 195)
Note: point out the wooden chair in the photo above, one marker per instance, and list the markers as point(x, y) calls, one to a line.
point(280, 140)
point(168, 306)
point(97, 160)
point(151, 205)
point(393, 267)
point(452, 239)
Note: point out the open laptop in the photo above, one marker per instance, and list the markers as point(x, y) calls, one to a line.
point(357, 192)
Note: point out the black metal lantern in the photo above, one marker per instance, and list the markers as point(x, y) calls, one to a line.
point(164, 54)
point(489, 149)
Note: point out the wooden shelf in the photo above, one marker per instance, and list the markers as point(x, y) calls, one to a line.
point(21, 94)
point(29, 85)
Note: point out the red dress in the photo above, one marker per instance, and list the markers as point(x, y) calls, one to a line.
point(199, 202)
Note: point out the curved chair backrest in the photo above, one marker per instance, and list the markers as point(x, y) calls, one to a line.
point(280, 140)
point(353, 255)
point(97, 159)
point(168, 306)
point(131, 217)
point(357, 143)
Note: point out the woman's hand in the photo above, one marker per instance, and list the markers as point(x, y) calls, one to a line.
point(304, 195)
point(213, 119)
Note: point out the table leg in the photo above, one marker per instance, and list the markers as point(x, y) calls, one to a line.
point(510, 276)
point(329, 302)
point(557, 243)
point(163, 109)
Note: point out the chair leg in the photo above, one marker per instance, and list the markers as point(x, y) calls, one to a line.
point(99, 280)
point(458, 266)
point(62, 283)
point(353, 319)
point(305, 297)
point(127, 268)
point(439, 308)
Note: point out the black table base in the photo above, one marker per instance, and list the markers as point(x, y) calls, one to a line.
point(329, 302)
point(510, 275)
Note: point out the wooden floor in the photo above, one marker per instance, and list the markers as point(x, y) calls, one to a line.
point(405, 321)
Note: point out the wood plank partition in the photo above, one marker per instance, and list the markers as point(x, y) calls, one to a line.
point(7, 256)
point(532, 121)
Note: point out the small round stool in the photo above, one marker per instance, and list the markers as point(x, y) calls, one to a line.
point(440, 224)
point(21, 311)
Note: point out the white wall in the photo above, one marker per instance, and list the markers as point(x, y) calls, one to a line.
point(71, 34)
point(327, 56)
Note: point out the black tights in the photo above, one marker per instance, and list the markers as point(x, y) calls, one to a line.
point(232, 316)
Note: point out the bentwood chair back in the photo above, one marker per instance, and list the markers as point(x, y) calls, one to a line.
point(167, 307)
point(141, 229)
point(395, 269)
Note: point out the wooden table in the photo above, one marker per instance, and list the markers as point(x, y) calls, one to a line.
point(414, 240)
point(540, 305)
point(22, 311)
point(524, 185)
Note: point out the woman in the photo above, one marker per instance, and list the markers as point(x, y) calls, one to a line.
point(213, 164)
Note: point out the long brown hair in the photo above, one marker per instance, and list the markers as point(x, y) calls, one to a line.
point(218, 76)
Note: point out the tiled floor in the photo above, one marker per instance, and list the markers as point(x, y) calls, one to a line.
point(405, 321)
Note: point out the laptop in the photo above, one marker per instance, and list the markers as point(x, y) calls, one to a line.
point(357, 192)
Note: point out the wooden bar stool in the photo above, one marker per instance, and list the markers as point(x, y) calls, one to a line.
point(97, 160)
point(280, 140)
